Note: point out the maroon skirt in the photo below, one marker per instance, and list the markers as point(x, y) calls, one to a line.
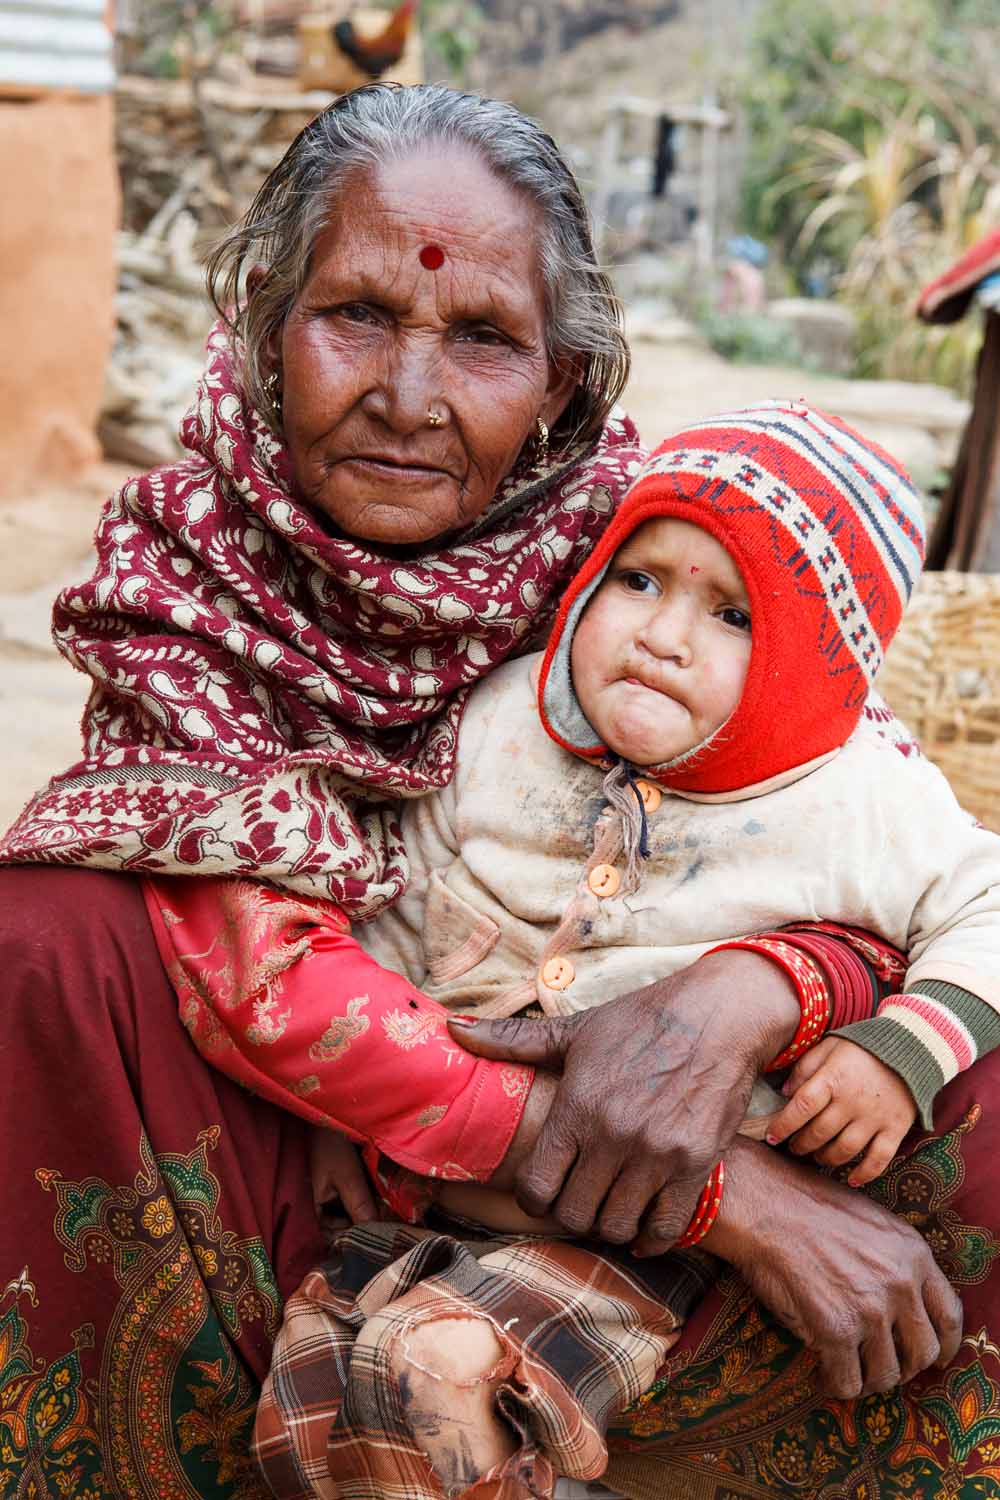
point(735, 1414)
point(153, 1215)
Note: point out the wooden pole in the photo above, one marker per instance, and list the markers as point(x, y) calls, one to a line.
point(611, 141)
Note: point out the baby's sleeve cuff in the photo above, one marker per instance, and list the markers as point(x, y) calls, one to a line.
point(927, 1036)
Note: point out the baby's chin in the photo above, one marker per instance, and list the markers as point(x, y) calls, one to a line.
point(644, 734)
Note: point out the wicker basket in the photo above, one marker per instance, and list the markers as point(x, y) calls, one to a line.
point(942, 678)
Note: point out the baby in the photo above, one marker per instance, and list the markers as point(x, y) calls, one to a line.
point(724, 638)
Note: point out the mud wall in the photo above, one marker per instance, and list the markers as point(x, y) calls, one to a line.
point(57, 284)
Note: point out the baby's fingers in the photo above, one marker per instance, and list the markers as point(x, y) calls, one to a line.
point(808, 1101)
point(808, 1064)
point(851, 1141)
point(819, 1131)
point(876, 1159)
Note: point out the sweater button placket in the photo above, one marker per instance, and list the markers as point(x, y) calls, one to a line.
point(604, 881)
point(650, 794)
point(557, 974)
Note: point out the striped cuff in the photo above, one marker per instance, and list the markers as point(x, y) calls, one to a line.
point(928, 1036)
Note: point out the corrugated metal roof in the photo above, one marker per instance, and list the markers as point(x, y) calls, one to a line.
point(55, 44)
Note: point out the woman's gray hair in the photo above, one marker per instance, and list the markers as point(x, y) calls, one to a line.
point(383, 122)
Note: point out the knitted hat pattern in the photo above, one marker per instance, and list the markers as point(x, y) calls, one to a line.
point(827, 532)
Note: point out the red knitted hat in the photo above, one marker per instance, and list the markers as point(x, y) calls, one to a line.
point(827, 532)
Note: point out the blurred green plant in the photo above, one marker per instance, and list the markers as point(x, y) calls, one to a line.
point(751, 338)
point(175, 38)
point(825, 65)
point(872, 130)
point(452, 32)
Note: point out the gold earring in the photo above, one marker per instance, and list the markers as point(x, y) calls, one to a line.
point(541, 441)
point(434, 418)
point(274, 394)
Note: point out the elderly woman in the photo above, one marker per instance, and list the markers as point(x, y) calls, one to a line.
point(402, 449)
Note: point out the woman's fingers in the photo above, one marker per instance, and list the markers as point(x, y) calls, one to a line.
point(625, 1208)
point(583, 1193)
point(839, 1371)
point(945, 1312)
point(928, 1324)
point(668, 1217)
point(642, 1212)
point(929, 1330)
point(541, 1175)
point(880, 1361)
point(858, 1286)
point(917, 1342)
point(523, 1039)
point(646, 1078)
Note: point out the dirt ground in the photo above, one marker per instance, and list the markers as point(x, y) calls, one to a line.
point(47, 538)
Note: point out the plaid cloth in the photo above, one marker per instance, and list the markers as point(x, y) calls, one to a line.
point(583, 1335)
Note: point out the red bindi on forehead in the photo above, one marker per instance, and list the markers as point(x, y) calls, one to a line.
point(432, 257)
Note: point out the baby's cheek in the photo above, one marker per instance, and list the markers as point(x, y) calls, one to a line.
point(712, 680)
point(735, 676)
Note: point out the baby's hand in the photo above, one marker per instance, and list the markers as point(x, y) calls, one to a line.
point(844, 1101)
point(338, 1174)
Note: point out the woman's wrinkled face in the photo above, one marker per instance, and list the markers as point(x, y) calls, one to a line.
point(376, 340)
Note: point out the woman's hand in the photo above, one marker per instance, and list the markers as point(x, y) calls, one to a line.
point(654, 1086)
point(857, 1285)
point(337, 1172)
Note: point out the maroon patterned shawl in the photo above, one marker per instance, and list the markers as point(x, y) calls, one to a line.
point(264, 689)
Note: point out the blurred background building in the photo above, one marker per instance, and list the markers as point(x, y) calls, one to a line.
point(57, 235)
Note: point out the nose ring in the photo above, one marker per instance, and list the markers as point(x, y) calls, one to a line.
point(434, 418)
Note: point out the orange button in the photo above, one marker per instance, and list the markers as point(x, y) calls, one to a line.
point(650, 794)
point(558, 973)
point(604, 881)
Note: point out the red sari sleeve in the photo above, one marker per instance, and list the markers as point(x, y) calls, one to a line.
point(277, 994)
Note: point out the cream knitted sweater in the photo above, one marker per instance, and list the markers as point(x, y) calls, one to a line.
point(511, 902)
